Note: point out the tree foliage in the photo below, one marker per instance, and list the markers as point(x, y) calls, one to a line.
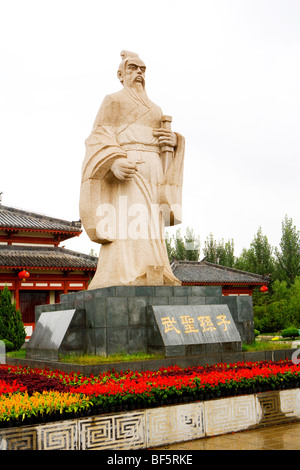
point(210, 249)
point(282, 263)
point(219, 252)
point(275, 310)
point(288, 257)
point(11, 325)
point(259, 257)
point(279, 309)
point(185, 247)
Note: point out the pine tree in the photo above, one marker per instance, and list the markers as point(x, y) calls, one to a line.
point(11, 325)
point(6, 314)
point(19, 330)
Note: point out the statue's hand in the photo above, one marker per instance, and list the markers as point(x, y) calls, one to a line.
point(165, 137)
point(123, 169)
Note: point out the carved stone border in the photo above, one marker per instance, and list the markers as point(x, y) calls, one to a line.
point(158, 426)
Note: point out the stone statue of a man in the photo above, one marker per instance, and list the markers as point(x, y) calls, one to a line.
point(131, 188)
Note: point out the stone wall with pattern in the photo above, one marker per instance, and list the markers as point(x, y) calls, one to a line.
point(158, 426)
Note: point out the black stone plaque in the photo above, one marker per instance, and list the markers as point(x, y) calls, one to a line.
point(58, 332)
point(195, 324)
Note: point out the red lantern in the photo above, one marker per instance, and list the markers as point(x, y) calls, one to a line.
point(23, 275)
point(263, 289)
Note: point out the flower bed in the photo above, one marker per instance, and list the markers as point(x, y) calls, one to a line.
point(33, 396)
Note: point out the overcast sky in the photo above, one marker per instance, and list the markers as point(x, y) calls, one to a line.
point(228, 71)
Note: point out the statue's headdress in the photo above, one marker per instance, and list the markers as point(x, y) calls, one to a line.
point(128, 54)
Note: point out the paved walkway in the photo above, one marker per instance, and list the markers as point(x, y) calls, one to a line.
point(281, 437)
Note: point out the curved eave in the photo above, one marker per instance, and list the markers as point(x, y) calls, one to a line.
point(49, 268)
point(224, 283)
point(40, 230)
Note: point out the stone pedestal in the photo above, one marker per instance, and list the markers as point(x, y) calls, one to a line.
point(122, 319)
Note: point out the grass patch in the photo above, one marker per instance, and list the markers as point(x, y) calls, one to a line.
point(90, 359)
point(20, 354)
point(266, 346)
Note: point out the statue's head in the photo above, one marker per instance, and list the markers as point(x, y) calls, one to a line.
point(131, 72)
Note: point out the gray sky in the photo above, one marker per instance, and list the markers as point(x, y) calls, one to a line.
point(228, 71)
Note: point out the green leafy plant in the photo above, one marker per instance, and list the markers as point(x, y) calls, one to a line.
point(290, 333)
point(11, 325)
point(9, 346)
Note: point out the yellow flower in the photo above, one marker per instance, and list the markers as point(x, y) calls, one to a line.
point(21, 404)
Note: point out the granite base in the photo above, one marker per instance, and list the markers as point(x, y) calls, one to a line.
point(117, 320)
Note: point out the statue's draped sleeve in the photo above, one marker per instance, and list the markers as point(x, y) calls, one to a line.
point(102, 149)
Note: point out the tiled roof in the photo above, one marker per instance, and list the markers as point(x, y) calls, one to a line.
point(13, 256)
point(202, 272)
point(11, 218)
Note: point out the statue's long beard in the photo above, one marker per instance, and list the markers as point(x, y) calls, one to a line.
point(139, 92)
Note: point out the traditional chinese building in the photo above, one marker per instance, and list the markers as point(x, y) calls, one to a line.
point(203, 273)
point(30, 242)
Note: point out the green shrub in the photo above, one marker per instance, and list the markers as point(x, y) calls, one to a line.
point(290, 333)
point(9, 346)
point(270, 318)
point(259, 311)
point(11, 325)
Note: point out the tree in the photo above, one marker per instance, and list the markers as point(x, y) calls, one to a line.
point(11, 325)
point(293, 309)
point(288, 257)
point(280, 291)
point(225, 253)
point(170, 249)
point(192, 245)
point(183, 248)
point(93, 253)
point(242, 262)
point(210, 249)
point(262, 261)
point(219, 252)
point(258, 258)
point(179, 248)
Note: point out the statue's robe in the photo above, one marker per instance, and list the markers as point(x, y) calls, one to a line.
point(123, 215)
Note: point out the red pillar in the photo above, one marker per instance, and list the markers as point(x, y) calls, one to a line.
point(65, 287)
point(17, 295)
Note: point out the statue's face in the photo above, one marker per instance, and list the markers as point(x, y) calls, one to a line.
point(134, 73)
